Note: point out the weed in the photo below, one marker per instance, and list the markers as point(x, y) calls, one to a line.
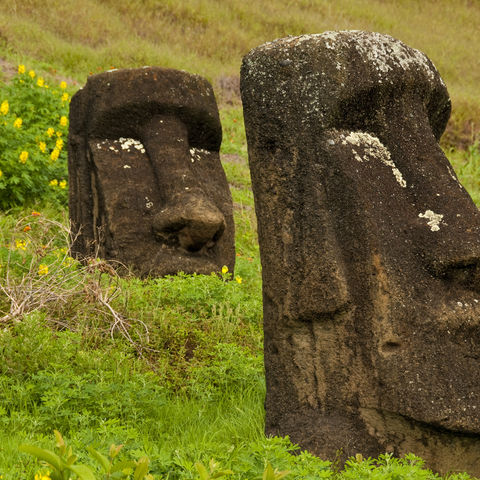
point(62, 465)
point(33, 127)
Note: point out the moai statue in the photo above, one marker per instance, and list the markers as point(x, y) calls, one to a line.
point(370, 251)
point(146, 184)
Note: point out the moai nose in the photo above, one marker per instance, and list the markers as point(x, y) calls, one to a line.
point(190, 222)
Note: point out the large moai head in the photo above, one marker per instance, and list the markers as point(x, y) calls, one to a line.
point(146, 184)
point(370, 251)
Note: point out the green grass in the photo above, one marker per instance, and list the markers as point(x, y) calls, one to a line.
point(210, 37)
point(467, 166)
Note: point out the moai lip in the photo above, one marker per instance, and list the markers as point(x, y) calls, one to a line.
point(147, 187)
point(370, 251)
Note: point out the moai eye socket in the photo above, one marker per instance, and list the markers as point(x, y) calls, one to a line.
point(370, 251)
point(147, 185)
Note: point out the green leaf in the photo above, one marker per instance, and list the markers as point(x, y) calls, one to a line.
point(271, 474)
point(101, 459)
point(120, 466)
point(202, 471)
point(114, 449)
point(142, 469)
point(221, 473)
point(82, 472)
point(71, 459)
point(268, 474)
point(120, 474)
point(46, 455)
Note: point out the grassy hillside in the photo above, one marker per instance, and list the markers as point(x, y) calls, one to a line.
point(210, 37)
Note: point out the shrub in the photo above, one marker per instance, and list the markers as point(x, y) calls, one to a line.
point(33, 130)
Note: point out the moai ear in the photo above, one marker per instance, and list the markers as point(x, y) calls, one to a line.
point(302, 267)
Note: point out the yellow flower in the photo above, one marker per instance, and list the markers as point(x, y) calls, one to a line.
point(4, 107)
point(23, 157)
point(17, 123)
point(238, 279)
point(53, 183)
point(40, 82)
point(68, 262)
point(42, 146)
point(55, 154)
point(20, 244)
point(63, 184)
point(63, 121)
point(21, 69)
point(31, 73)
point(63, 85)
point(42, 270)
point(59, 143)
point(1, 173)
point(65, 97)
point(224, 269)
point(50, 132)
point(59, 134)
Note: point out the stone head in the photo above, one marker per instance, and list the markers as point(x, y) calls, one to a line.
point(370, 250)
point(146, 184)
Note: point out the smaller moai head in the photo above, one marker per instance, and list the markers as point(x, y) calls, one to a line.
point(370, 251)
point(147, 187)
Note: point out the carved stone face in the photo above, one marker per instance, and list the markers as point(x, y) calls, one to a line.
point(147, 185)
point(370, 251)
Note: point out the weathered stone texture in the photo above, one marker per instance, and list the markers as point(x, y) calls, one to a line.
point(147, 188)
point(370, 251)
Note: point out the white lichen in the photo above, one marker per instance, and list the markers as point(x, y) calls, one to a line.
point(433, 219)
point(372, 148)
point(196, 153)
point(128, 143)
point(383, 51)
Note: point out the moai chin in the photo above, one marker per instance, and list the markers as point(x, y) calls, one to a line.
point(147, 188)
point(370, 251)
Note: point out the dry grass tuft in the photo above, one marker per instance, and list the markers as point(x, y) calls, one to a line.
point(39, 275)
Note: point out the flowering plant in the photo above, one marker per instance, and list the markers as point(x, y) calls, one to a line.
point(33, 131)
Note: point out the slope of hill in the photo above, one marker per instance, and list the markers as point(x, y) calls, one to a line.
point(210, 37)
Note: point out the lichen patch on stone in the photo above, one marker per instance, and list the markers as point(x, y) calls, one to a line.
point(128, 143)
point(433, 219)
point(383, 52)
point(373, 148)
point(196, 153)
